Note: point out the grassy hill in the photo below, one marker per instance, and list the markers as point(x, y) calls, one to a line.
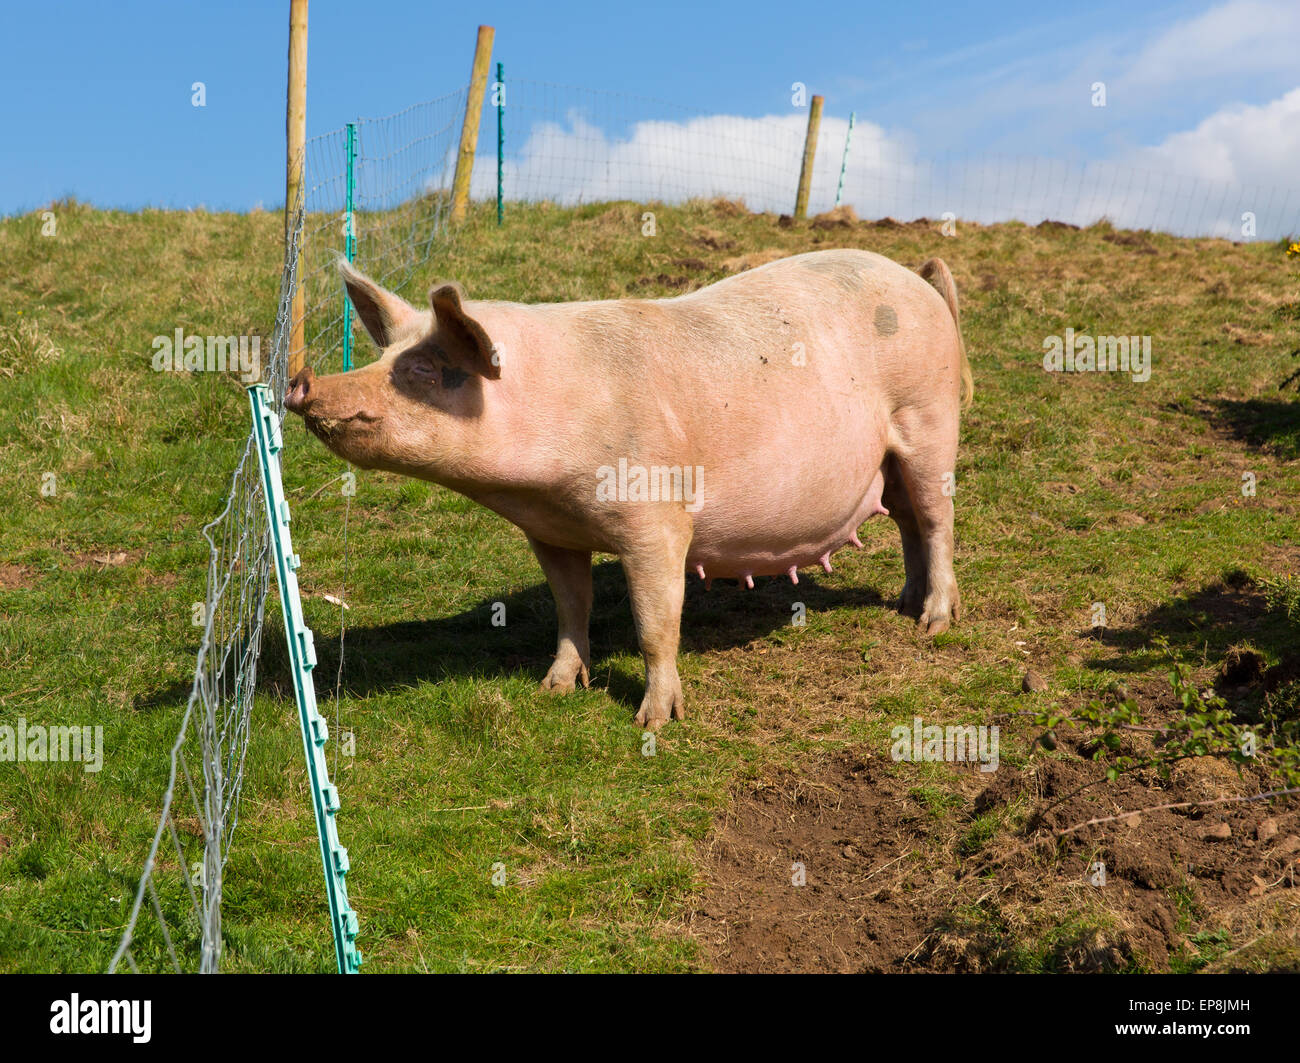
point(1073, 489)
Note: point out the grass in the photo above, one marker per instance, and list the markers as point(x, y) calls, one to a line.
point(1072, 490)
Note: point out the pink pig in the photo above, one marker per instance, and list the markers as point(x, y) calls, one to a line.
point(746, 429)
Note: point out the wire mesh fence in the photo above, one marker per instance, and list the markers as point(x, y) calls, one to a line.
point(1020, 188)
point(200, 808)
point(401, 202)
point(587, 146)
point(570, 146)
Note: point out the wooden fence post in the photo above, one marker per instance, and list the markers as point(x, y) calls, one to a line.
point(809, 154)
point(295, 145)
point(469, 128)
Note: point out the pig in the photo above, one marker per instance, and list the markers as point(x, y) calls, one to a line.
point(745, 429)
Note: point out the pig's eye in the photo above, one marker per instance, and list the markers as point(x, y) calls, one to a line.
point(422, 371)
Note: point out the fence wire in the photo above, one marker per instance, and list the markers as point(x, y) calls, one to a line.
point(402, 179)
point(200, 808)
point(572, 146)
point(404, 166)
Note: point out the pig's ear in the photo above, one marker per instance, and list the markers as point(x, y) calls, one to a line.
point(384, 314)
point(461, 338)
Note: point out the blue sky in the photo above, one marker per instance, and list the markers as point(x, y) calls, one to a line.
point(97, 97)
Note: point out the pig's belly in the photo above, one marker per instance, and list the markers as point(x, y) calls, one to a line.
point(740, 534)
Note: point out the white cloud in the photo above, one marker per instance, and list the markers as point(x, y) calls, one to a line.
point(1159, 76)
point(1241, 144)
point(1242, 36)
point(1193, 183)
point(754, 159)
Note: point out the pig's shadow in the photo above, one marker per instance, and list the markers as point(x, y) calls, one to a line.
point(469, 644)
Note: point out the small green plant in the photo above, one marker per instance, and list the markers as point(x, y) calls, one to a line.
point(1206, 728)
point(937, 801)
point(1282, 594)
point(1200, 950)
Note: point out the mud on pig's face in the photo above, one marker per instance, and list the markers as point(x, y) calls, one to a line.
point(408, 410)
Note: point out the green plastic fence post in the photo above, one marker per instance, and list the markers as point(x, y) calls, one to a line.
point(501, 140)
point(350, 239)
point(844, 162)
point(302, 658)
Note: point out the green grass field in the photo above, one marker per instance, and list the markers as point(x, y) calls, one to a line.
point(1072, 489)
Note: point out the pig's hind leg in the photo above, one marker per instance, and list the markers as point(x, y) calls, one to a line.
point(569, 574)
point(899, 504)
point(919, 483)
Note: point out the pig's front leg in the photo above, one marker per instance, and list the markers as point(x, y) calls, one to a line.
point(655, 563)
point(569, 574)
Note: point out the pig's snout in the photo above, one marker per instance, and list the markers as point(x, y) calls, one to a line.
point(295, 397)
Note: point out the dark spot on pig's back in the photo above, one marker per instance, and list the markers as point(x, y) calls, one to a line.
point(886, 320)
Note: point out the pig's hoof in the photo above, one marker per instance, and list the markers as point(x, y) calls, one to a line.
point(938, 616)
point(933, 627)
point(564, 677)
point(656, 711)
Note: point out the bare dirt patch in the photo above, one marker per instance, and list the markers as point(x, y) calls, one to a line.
point(712, 239)
point(15, 578)
point(891, 886)
point(109, 557)
point(844, 217)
